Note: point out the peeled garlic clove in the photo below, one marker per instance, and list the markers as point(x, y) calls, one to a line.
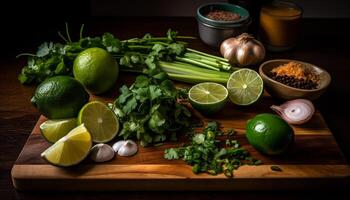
point(128, 148)
point(116, 146)
point(101, 153)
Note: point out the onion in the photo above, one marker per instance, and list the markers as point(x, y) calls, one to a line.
point(243, 50)
point(298, 111)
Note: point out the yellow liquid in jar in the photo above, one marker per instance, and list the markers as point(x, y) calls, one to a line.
point(279, 25)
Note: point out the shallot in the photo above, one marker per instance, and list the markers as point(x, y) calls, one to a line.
point(298, 111)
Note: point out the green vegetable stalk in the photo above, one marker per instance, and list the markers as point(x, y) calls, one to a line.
point(148, 55)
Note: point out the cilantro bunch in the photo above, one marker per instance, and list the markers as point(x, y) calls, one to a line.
point(53, 59)
point(148, 55)
point(149, 110)
point(205, 155)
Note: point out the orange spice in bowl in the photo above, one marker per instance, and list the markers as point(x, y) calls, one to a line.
point(295, 75)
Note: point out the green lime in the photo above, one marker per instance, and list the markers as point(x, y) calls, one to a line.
point(60, 97)
point(208, 98)
point(53, 130)
point(96, 69)
point(100, 120)
point(245, 86)
point(70, 149)
point(269, 134)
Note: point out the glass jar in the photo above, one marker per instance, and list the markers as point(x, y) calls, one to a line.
point(280, 25)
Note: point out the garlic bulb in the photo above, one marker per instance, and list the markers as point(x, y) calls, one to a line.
point(125, 147)
point(298, 111)
point(243, 50)
point(101, 153)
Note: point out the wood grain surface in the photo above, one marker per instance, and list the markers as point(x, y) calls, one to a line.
point(315, 155)
point(323, 43)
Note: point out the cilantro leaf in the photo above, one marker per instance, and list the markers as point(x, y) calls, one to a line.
point(171, 154)
point(155, 92)
point(150, 109)
point(111, 43)
point(198, 138)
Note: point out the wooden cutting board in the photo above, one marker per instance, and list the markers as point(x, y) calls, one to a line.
point(315, 161)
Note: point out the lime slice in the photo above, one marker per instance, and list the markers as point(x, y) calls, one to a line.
point(101, 121)
point(70, 149)
point(208, 98)
point(53, 130)
point(245, 86)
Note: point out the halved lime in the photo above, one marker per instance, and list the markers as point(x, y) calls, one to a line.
point(100, 120)
point(208, 98)
point(70, 149)
point(245, 86)
point(53, 130)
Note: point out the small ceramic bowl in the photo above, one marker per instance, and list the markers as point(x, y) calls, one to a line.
point(282, 91)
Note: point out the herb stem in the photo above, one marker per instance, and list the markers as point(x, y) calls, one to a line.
point(81, 31)
point(208, 55)
point(67, 32)
point(63, 38)
point(194, 62)
point(184, 68)
point(195, 79)
point(26, 54)
point(139, 47)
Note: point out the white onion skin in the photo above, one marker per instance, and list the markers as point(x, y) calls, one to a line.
point(298, 111)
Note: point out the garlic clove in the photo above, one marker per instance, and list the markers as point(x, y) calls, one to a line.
point(298, 111)
point(116, 146)
point(101, 153)
point(128, 148)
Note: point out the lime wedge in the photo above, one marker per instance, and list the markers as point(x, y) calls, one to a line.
point(208, 98)
point(245, 86)
point(100, 120)
point(70, 149)
point(53, 130)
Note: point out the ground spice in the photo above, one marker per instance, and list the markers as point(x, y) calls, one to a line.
point(295, 75)
point(222, 15)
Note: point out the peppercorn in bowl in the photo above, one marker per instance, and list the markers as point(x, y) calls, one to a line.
point(292, 79)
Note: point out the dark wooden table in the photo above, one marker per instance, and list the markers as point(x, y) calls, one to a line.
point(324, 43)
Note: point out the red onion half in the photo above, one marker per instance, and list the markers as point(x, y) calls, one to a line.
point(298, 111)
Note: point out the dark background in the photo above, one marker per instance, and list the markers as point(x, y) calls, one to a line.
point(25, 23)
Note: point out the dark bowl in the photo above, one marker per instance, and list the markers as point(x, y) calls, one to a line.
point(203, 10)
point(213, 32)
point(282, 91)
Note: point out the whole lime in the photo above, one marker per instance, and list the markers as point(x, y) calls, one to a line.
point(96, 69)
point(60, 97)
point(269, 134)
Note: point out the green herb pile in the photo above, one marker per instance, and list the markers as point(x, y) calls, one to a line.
point(149, 110)
point(149, 55)
point(205, 155)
